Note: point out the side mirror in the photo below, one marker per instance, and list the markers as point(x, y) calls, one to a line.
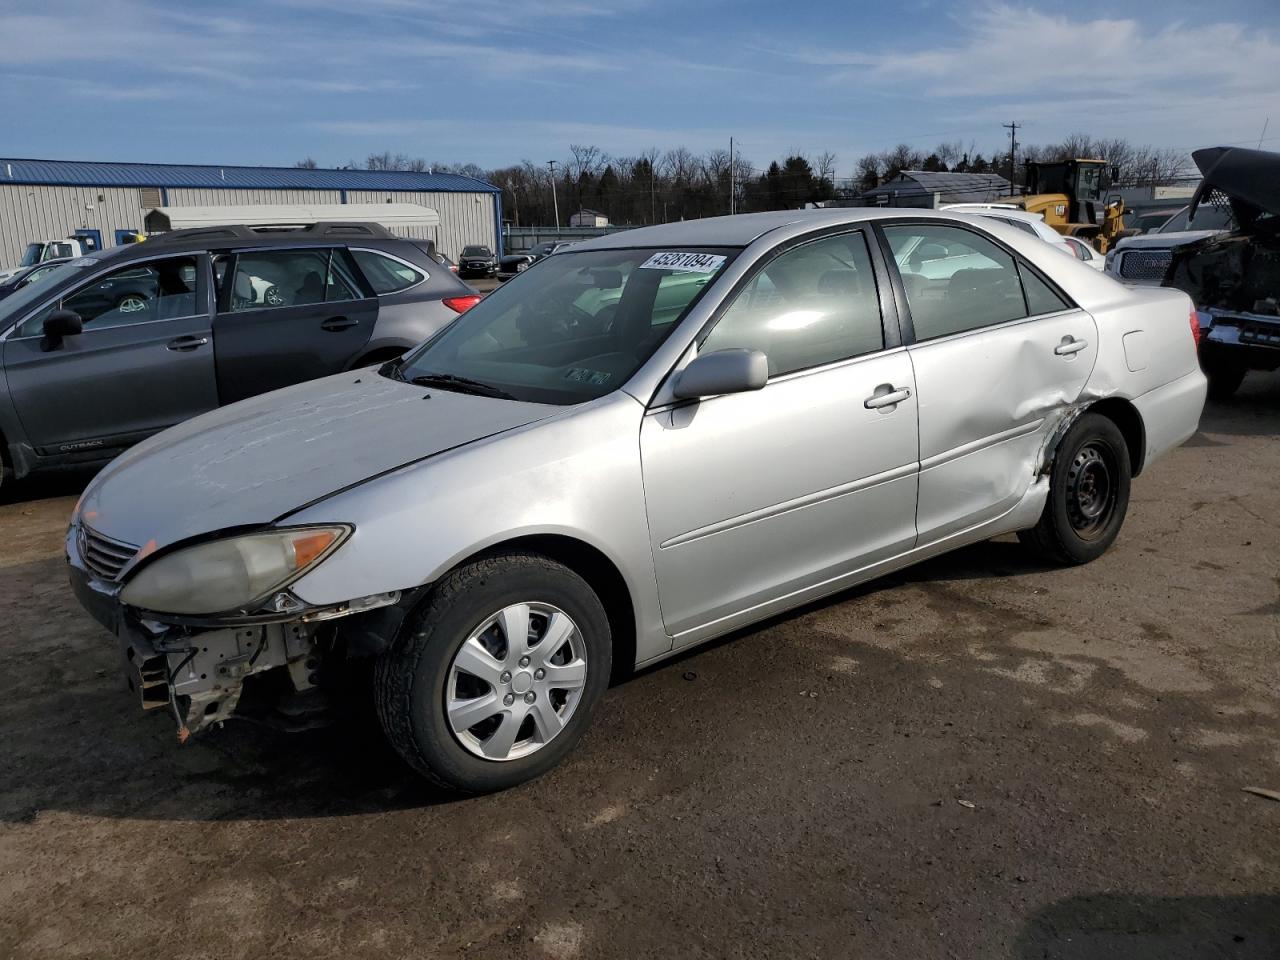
point(59, 324)
point(724, 371)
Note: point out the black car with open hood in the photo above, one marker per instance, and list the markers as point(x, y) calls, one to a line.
point(1234, 277)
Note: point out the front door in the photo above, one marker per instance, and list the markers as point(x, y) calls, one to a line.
point(143, 362)
point(285, 316)
point(757, 500)
point(999, 354)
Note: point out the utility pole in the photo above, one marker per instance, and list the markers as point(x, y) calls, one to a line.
point(733, 192)
point(554, 202)
point(1013, 146)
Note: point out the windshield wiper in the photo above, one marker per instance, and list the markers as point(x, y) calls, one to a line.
point(450, 381)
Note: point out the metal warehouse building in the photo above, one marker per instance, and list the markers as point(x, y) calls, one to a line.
point(51, 199)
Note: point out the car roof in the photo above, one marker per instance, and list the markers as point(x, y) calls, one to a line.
point(233, 237)
point(743, 228)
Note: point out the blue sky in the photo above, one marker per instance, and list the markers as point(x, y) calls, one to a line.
point(272, 81)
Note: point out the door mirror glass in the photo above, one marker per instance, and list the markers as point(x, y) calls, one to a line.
point(735, 370)
point(59, 324)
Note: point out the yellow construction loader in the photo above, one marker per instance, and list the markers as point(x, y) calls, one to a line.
point(1069, 195)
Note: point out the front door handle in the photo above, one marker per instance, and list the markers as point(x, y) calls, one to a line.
point(186, 344)
point(1070, 346)
point(338, 323)
point(886, 395)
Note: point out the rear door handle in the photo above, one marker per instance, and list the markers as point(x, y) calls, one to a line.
point(1068, 346)
point(185, 344)
point(886, 395)
point(338, 323)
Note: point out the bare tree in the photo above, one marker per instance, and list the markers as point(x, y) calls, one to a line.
point(306, 164)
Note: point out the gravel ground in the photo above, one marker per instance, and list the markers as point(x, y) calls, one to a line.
point(980, 758)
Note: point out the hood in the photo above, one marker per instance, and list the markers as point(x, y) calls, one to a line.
point(1250, 178)
point(255, 461)
point(1175, 238)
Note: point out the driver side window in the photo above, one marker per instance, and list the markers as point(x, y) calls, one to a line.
point(141, 292)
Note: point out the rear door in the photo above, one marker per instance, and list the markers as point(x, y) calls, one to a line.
point(287, 315)
point(143, 362)
point(998, 352)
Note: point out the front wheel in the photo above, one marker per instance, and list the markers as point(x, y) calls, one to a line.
point(494, 679)
point(1088, 494)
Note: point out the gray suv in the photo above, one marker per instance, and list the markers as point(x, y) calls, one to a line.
point(119, 345)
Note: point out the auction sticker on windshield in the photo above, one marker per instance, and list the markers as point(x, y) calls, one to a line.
point(684, 262)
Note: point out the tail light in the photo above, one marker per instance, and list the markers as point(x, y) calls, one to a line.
point(1195, 325)
point(462, 304)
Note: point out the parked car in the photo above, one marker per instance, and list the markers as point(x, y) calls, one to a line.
point(515, 263)
point(1032, 223)
point(441, 259)
point(1145, 259)
point(477, 260)
point(1234, 276)
point(1086, 252)
point(649, 441)
point(110, 348)
point(15, 280)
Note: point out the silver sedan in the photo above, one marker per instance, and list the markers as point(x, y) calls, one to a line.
point(646, 442)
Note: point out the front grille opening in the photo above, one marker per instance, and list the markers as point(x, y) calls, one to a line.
point(1145, 264)
point(104, 557)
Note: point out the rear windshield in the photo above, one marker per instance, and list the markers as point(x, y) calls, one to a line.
point(574, 329)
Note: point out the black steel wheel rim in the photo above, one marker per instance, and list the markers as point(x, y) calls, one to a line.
point(1092, 489)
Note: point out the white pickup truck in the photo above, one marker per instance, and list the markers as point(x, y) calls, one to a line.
point(39, 251)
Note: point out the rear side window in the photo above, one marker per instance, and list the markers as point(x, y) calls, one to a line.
point(956, 280)
point(386, 274)
point(1041, 298)
point(288, 278)
point(812, 305)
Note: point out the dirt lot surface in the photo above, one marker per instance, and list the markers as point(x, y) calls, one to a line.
point(982, 758)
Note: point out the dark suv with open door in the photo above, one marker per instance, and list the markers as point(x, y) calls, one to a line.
point(113, 347)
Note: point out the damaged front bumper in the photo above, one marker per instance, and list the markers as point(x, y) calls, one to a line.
point(269, 669)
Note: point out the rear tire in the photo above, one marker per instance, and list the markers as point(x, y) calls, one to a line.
point(1225, 377)
point(1088, 494)
point(419, 680)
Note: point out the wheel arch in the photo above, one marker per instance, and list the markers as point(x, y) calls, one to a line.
point(600, 573)
point(1128, 420)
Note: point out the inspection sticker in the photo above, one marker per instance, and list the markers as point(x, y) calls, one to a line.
point(684, 262)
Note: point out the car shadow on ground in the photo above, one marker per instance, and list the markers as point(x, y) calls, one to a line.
point(1139, 927)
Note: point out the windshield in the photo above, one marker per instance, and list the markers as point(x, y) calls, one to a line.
point(574, 329)
point(32, 255)
point(14, 306)
point(475, 251)
point(1208, 217)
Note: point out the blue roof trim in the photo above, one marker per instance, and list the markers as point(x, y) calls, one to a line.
point(75, 173)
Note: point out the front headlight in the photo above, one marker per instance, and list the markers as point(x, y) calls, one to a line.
point(232, 575)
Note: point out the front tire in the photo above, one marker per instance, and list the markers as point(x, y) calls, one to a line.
point(493, 680)
point(1088, 494)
